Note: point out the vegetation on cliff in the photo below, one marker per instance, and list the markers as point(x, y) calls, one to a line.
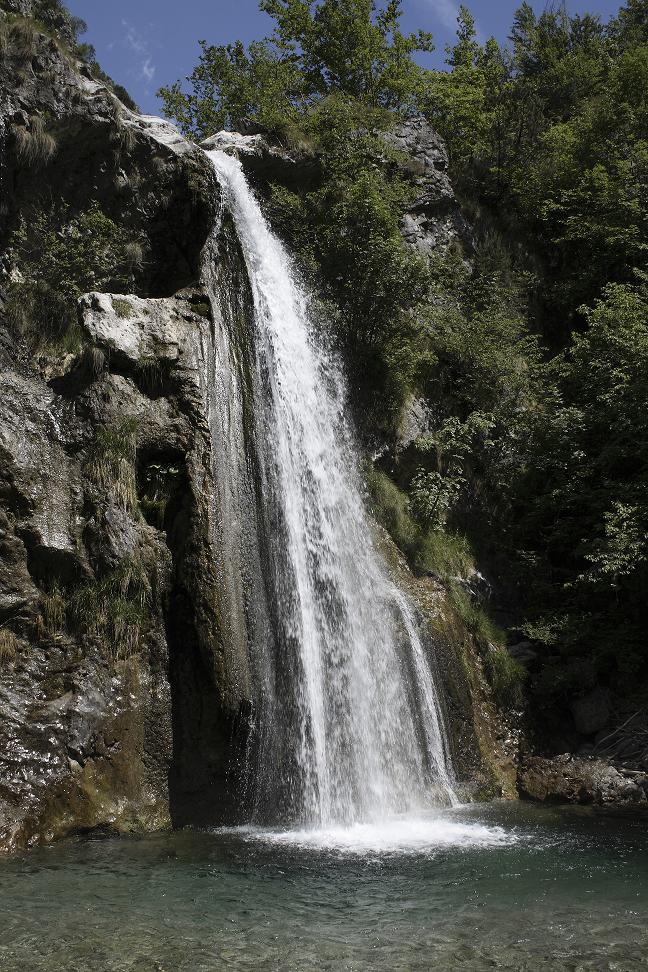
point(531, 348)
point(60, 258)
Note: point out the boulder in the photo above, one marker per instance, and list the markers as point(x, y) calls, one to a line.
point(524, 653)
point(582, 780)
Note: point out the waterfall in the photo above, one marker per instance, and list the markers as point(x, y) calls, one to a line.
point(350, 726)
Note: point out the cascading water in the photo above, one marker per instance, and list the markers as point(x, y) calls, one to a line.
point(350, 728)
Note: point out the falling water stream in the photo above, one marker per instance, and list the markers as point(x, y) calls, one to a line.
point(351, 718)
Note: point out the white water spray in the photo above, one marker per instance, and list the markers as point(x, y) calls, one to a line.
point(353, 727)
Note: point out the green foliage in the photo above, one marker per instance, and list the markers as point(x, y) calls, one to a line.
point(390, 506)
point(59, 259)
point(202, 308)
point(57, 17)
point(347, 228)
point(430, 551)
point(555, 129)
point(584, 491)
point(445, 554)
point(318, 49)
point(433, 495)
point(507, 678)
point(159, 483)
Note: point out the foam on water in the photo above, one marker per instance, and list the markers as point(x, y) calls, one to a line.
point(397, 836)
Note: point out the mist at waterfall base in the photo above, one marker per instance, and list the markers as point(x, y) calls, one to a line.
point(567, 890)
point(351, 738)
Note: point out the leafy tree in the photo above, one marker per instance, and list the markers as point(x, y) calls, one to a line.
point(318, 49)
point(585, 494)
point(532, 351)
point(335, 72)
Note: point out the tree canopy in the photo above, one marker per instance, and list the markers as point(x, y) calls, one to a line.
point(318, 49)
point(529, 344)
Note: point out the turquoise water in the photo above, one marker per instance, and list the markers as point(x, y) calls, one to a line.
point(493, 887)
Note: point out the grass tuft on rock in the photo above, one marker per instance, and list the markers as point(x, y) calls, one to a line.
point(35, 146)
point(111, 465)
point(9, 644)
point(507, 678)
point(122, 308)
point(52, 614)
point(116, 610)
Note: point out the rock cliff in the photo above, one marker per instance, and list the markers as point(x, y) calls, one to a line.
point(111, 644)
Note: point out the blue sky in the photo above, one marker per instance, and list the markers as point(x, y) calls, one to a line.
point(149, 43)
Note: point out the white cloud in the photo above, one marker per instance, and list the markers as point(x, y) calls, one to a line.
point(446, 11)
point(133, 40)
point(148, 70)
point(135, 43)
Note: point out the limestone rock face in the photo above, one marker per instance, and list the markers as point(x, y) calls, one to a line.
point(110, 631)
point(569, 779)
point(434, 220)
point(98, 730)
point(139, 169)
point(264, 159)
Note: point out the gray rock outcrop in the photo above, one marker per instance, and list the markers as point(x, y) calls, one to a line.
point(569, 779)
point(114, 705)
point(434, 221)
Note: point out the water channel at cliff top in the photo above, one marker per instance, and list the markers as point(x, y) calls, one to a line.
point(505, 886)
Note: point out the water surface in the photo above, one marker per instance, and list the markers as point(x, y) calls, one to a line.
point(497, 887)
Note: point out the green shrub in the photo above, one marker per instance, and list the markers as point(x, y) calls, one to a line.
point(59, 258)
point(507, 678)
point(437, 552)
point(202, 308)
point(159, 482)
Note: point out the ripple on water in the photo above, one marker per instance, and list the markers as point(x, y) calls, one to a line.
point(511, 887)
